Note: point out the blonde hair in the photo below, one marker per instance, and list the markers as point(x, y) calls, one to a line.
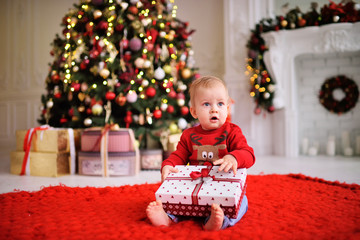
point(206, 82)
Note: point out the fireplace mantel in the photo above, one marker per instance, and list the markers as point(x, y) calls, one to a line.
point(284, 46)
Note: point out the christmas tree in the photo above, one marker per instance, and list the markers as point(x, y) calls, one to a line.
point(128, 62)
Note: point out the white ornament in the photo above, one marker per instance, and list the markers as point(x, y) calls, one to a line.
point(181, 102)
point(104, 73)
point(139, 62)
point(145, 83)
point(50, 104)
point(182, 123)
point(97, 109)
point(163, 107)
point(146, 64)
point(266, 95)
point(87, 122)
point(159, 73)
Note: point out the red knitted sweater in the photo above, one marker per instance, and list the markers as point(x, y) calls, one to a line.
point(197, 146)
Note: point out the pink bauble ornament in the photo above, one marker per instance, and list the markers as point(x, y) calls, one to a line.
point(135, 44)
point(131, 97)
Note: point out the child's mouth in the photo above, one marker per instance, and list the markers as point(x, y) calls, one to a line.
point(214, 119)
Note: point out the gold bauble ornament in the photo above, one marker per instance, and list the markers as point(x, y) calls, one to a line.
point(186, 73)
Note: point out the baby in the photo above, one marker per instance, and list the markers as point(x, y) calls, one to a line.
point(215, 141)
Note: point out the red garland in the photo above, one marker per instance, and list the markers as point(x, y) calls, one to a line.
point(339, 82)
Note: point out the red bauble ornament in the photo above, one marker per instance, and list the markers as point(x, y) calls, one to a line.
point(150, 92)
point(110, 96)
point(170, 109)
point(88, 111)
point(57, 95)
point(184, 110)
point(55, 78)
point(128, 118)
point(172, 94)
point(157, 113)
point(63, 120)
point(124, 43)
point(76, 87)
point(133, 9)
point(127, 56)
point(121, 100)
point(257, 110)
point(271, 109)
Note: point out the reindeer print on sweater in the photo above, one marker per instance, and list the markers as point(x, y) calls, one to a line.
point(208, 153)
point(198, 146)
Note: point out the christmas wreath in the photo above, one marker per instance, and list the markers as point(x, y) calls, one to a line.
point(263, 86)
point(347, 97)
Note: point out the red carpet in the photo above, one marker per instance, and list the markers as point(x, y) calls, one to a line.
point(280, 207)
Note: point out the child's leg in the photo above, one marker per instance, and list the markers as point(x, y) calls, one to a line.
point(216, 219)
point(157, 215)
point(229, 222)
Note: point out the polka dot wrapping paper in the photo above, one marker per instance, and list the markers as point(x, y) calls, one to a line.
point(193, 190)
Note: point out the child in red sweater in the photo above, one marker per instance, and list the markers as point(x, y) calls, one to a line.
point(215, 141)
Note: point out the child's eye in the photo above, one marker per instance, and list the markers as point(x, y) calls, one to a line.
point(206, 104)
point(221, 104)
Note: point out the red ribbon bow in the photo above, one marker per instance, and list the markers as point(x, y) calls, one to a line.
point(204, 173)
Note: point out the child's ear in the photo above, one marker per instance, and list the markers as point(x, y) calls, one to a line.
point(193, 112)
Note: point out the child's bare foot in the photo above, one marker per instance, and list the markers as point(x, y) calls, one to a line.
point(157, 215)
point(216, 218)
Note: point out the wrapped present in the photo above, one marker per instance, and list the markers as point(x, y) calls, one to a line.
point(118, 140)
point(107, 140)
point(119, 163)
point(45, 139)
point(48, 139)
point(193, 190)
point(151, 158)
point(169, 141)
point(40, 163)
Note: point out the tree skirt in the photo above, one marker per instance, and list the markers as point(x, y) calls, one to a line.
point(280, 207)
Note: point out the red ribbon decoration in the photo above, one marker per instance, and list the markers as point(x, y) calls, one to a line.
point(204, 173)
point(103, 132)
point(27, 146)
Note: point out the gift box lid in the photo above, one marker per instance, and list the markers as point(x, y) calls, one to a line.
point(110, 154)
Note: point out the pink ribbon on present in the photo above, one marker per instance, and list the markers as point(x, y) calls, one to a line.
point(27, 147)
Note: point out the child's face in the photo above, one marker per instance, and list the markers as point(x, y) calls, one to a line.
point(210, 106)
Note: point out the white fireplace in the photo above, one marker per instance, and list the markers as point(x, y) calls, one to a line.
point(287, 49)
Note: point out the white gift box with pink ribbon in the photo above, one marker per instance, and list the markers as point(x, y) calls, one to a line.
point(193, 190)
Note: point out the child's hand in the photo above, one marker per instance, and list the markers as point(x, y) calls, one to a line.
point(226, 163)
point(166, 170)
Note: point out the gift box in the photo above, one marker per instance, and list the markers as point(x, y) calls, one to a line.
point(170, 141)
point(119, 163)
point(118, 140)
point(151, 159)
point(48, 140)
point(41, 163)
point(193, 190)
